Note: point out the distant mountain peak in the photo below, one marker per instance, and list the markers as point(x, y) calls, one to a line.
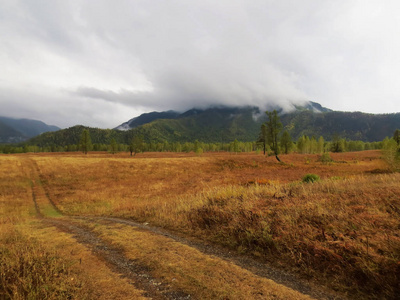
point(312, 106)
point(226, 110)
point(147, 118)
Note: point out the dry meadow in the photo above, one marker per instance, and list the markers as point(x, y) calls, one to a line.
point(342, 231)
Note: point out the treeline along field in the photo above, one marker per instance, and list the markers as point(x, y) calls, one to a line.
point(112, 141)
point(342, 230)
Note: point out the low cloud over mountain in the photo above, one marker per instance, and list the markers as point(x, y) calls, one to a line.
point(70, 62)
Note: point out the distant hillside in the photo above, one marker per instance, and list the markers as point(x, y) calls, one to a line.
point(349, 125)
point(72, 135)
point(17, 130)
point(225, 124)
point(218, 124)
point(147, 118)
point(243, 123)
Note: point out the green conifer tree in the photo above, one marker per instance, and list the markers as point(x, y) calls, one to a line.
point(286, 142)
point(113, 146)
point(396, 136)
point(85, 143)
point(274, 127)
point(136, 145)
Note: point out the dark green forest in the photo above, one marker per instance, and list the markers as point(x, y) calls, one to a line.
point(220, 127)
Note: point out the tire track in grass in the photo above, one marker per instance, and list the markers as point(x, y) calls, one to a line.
point(43, 205)
point(258, 268)
point(37, 176)
point(131, 269)
point(37, 209)
point(113, 257)
point(117, 262)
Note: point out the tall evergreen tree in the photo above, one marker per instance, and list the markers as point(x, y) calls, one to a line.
point(338, 144)
point(136, 145)
point(85, 142)
point(396, 136)
point(235, 146)
point(313, 145)
point(391, 153)
point(274, 127)
point(286, 142)
point(262, 138)
point(321, 144)
point(301, 144)
point(307, 144)
point(113, 146)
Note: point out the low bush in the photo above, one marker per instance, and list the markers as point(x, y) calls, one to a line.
point(325, 158)
point(310, 178)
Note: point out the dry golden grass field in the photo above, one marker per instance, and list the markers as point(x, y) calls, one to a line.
point(81, 226)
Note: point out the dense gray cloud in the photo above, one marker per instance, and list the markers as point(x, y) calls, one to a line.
point(100, 63)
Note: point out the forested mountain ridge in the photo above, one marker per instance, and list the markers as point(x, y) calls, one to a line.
point(349, 125)
point(221, 124)
point(243, 123)
point(211, 125)
point(72, 136)
point(147, 118)
point(225, 124)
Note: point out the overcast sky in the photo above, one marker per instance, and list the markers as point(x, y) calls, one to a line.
point(100, 63)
